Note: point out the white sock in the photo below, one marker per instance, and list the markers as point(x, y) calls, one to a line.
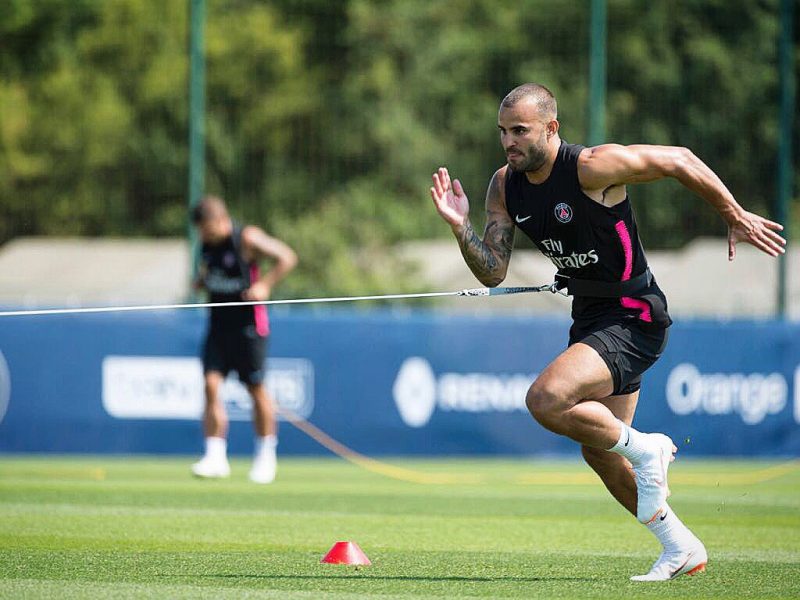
point(670, 530)
point(217, 448)
point(632, 444)
point(266, 444)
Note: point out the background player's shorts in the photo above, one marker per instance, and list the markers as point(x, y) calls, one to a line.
point(238, 349)
point(627, 347)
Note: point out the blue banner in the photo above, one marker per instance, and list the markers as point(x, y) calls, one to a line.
point(417, 383)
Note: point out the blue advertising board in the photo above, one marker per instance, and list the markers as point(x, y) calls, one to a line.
point(417, 383)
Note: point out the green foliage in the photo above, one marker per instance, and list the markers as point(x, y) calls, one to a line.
point(432, 75)
point(325, 119)
point(703, 75)
point(93, 117)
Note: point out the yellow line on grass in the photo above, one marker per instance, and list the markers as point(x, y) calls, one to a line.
point(753, 477)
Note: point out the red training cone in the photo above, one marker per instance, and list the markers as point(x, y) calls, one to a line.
point(346, 553)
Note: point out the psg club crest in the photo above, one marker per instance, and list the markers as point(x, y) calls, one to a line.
point(563, 212)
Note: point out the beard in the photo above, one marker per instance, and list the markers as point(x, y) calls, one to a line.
point(533, 159)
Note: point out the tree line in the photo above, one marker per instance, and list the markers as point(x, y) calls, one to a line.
point(326, 119)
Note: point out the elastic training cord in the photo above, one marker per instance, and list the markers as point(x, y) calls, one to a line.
point(370, 464)
point(356, 458)
point(500, 291)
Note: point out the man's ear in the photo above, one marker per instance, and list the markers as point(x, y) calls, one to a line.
point(552, 128)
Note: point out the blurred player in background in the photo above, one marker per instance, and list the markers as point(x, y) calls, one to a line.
point(572, 203)
point(237, 336)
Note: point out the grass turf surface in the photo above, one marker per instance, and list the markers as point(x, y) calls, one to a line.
point(131, 527)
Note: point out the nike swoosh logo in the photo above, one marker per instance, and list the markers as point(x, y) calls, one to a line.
point(628, 440)
point(677, 571)
point(522, 220)
point(664, 516)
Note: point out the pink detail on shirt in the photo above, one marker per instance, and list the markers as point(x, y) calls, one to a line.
point(627, 247)
point(259, 310)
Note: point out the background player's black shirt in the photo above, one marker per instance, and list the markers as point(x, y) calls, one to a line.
point(226, 276)
point(584, 239)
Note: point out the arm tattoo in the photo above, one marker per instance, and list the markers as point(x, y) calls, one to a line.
point(488, 258)
point(478, 257)
point(502, 238)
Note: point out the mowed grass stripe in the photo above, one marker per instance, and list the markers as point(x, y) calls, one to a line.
point(404, 575)
point(79, 590)
point(147, 530)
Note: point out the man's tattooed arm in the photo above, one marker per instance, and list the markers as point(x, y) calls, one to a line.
point(488, 258)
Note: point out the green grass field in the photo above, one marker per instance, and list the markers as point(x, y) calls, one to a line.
point(132, 527)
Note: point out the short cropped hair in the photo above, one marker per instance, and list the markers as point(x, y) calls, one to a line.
point(544, 98)
point(207, 208)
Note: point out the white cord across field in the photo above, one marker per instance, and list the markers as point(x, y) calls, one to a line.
point(498, 291)
point(361, 460)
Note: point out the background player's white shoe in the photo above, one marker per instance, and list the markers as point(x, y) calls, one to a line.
point(651, 477)
point(687, 561)
point(264, 467)
point(210, 467)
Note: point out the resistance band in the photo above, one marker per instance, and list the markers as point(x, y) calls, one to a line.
point(498, 291)
point(365, 462)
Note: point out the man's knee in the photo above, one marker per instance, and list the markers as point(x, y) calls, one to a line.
point(546, 405)
point(257, 392)
point(213, 381)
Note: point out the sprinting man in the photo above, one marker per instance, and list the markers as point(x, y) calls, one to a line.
point(237, 336)
point(573, 204)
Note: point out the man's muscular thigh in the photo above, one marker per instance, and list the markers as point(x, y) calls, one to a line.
point(575, 375)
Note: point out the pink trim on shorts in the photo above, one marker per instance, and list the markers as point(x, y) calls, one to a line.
point(627, 247)
point(259, 310)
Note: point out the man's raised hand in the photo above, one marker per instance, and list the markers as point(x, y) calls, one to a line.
point(759, 232)
point(449, 198)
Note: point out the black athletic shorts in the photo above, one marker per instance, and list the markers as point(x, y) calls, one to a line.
point(238, 349)
point(628, 349)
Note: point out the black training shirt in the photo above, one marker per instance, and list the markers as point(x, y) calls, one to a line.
point(226, 277)
point(584, 239)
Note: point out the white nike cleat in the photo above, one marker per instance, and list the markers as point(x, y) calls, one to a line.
point(263, 469)
point(651, 478)
point(670, 565)
point(211, 468)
